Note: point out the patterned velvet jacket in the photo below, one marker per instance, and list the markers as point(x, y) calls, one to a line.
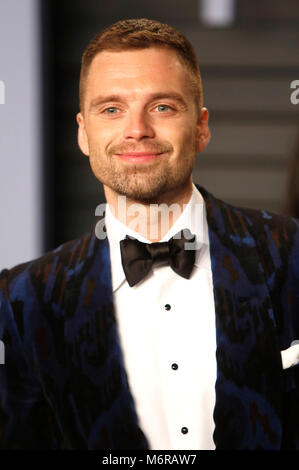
point(64, 385)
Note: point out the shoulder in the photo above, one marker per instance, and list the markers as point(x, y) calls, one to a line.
point(259, 223)
point(280, 228)
point(57, 263)
point(247, 232)
point(277, 237)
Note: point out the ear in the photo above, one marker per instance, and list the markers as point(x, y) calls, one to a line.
point(203, 131)
point(82, 135)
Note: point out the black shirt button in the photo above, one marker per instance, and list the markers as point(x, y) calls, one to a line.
point(167, 307)
point(174, 366)
point(184, 430)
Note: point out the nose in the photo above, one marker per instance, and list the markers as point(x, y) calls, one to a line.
point(138, 126)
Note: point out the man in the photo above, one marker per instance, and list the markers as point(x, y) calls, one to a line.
point(120, 340)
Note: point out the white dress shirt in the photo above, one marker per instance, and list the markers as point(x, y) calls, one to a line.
point(167, 333)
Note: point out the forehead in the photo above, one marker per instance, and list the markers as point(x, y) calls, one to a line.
point(141, 69)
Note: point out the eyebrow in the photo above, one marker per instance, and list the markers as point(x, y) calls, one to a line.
point(101, 99)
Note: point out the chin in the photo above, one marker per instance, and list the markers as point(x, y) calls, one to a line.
point(148, 195)
point(139, 193)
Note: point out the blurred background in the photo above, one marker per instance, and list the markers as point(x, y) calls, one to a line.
point(248, 53)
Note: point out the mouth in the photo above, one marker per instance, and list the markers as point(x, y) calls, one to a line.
point(139, 157)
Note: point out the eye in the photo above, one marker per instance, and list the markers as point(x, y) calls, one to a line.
point(111, 110)
point(163, 108)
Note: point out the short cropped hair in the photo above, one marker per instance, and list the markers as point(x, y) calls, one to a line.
point(142, 33)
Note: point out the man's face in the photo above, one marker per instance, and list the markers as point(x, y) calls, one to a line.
point(140, 127)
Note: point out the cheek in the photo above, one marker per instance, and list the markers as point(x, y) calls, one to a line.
point(187, 137)
point(103, 135)
point(178, 133)
point(97, 140)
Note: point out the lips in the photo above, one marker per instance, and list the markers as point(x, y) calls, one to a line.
point(139, 157)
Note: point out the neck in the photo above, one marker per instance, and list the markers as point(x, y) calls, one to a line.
point(151, 220)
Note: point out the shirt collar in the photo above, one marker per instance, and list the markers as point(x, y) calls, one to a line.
point(193, 217)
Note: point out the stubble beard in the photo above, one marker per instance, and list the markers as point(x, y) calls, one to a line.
point(144, 183)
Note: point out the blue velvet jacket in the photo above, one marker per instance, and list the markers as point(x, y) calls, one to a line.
point(64, 385)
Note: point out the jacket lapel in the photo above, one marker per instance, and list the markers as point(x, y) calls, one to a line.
point(249, 381)
point(101, 404)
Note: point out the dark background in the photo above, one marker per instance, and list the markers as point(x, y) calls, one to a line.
point(246, 68)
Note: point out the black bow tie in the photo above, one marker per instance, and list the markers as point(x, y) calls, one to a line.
point(138, 257)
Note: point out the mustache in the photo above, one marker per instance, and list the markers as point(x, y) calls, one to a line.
point(127, 147)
